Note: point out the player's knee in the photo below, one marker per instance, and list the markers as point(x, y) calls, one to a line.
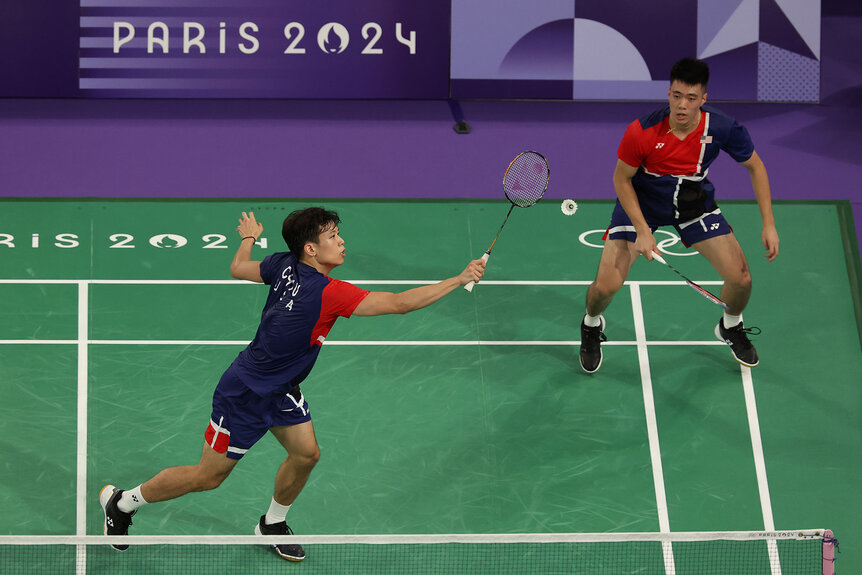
point(208, 480)
point(311, 459)
point(603, 290)
point(741, 280)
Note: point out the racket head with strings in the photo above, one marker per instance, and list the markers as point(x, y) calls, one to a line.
point(524, 183)
point(705, 293)
point(526, 179)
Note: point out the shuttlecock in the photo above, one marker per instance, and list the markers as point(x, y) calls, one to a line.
point(569, 207)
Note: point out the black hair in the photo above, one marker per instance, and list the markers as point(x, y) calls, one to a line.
point(690, 72)
point(303, 226)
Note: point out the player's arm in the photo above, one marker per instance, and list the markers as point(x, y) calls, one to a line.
point(645, 243)
point(242, 267)
point(381, 302)
point(760, 185)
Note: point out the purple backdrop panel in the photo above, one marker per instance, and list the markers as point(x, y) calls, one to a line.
point(733, 74)
point(646, 25)
point(265, 49)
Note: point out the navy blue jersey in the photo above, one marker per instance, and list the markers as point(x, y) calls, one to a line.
point(300, 309)
point(665, 163)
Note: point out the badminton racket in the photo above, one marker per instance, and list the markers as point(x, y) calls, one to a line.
point(524, 184)
point(693, 285)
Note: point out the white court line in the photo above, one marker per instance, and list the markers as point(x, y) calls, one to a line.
point(760, 467)
point(83, 342)
point(416, 342)
point(652, 428)
point(81, 440)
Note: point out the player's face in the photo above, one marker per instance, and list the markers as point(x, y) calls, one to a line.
point(685, 102)
point(329, 249)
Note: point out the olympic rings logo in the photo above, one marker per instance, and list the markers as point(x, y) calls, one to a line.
point(663, 245)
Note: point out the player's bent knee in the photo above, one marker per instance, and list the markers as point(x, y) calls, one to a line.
point(310, 460)
point(603, 290)
point(206, 481)
point(741, 281)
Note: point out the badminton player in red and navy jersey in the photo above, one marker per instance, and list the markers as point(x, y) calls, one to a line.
point(260, 391)
point(661, 180)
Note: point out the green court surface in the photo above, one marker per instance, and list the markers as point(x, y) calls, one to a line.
point(470, 416)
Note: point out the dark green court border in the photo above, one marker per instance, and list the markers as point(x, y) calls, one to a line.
point(851, 255)
point(846, 223)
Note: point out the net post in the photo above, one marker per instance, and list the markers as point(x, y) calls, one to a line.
point(830, 544)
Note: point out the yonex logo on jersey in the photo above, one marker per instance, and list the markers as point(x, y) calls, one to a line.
point(659, 146)
point(714, 226)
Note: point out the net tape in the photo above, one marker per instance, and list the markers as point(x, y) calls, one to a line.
point(798, 552)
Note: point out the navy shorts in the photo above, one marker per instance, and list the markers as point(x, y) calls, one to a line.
point(709, 225)
point(240, 417)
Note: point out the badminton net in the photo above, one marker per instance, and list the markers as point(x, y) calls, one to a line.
point(800, 552)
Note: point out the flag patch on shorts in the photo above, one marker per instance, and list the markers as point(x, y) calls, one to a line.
point(217, 436)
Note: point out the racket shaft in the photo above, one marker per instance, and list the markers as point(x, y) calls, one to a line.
point(705, 293)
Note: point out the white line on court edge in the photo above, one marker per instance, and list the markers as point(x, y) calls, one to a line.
point(652, 428)
point(345, 342)
point(760, 467)
point(81, 440)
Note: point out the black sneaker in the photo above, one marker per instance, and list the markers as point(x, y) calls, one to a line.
point(283, 550)
point(737, 338)
point(591, 346)
point(116, 522)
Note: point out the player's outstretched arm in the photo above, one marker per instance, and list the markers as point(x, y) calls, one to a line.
point(242, 267)
point(381, 302)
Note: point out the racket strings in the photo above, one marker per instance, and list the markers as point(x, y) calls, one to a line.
point(526, 179)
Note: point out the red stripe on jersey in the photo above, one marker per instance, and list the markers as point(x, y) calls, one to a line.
point(217, 437)
point(660, 152)
point(338, 299)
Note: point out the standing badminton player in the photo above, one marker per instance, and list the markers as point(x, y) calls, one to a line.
point(660, 180)
point(260, 392)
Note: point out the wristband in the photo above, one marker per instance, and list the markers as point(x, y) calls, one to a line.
point(247, 237)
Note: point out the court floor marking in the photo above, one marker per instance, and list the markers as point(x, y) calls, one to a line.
point(652, 428)
point(81, 440)
point(347, 342)
point(760, 467)
point(642, 344)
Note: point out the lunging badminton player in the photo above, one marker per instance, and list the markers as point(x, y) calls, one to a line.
point(260, 392)
point(660, 180)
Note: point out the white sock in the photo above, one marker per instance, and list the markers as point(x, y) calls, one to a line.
point(131, 500)
point(592, 321)
point(277, 512)
point(731, 320)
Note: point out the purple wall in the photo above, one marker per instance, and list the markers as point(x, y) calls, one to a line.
point(275, 148)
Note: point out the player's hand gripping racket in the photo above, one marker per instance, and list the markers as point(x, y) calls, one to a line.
point(694, 286)
point(524, 184)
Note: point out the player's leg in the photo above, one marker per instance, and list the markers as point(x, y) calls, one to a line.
point(173, 482)
point(726, 256)
point(297, 437)
point(119, 505)
point(618, 255)
point(303, 454)
point(234, 427)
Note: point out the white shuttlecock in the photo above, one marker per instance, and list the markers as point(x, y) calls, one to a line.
point(569, 207)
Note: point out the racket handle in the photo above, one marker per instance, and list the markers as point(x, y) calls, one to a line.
point(658, 258)
point(469, 286)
